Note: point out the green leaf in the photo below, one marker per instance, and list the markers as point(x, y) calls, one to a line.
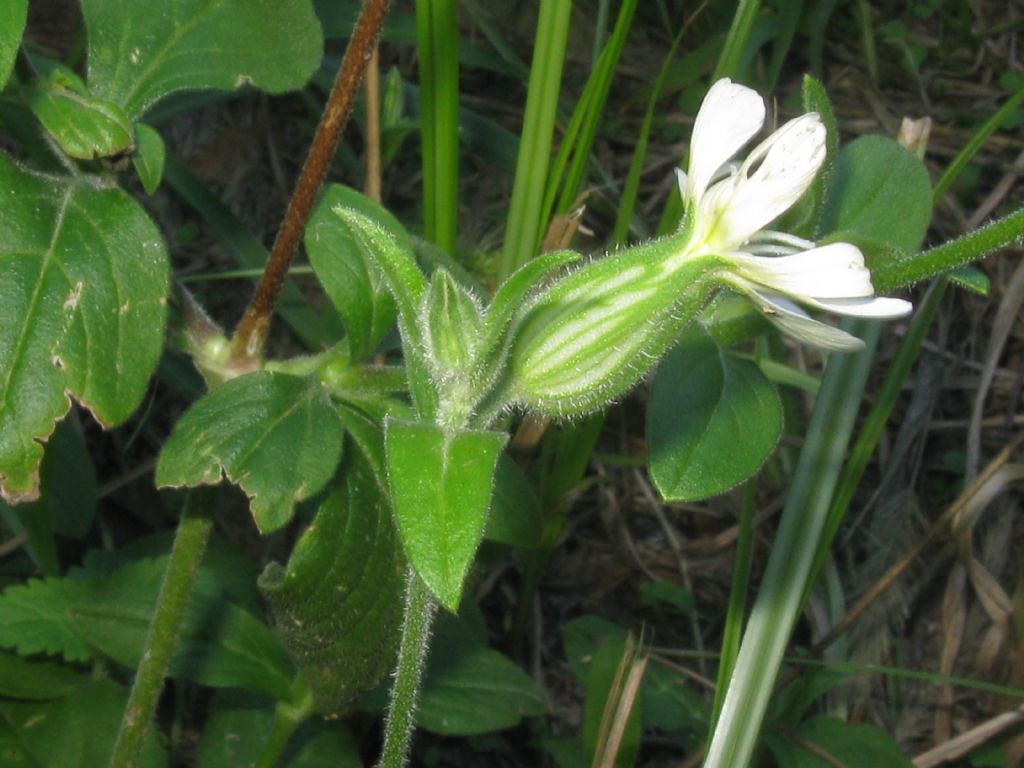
point(238, 726)
point(83, 285)
point(470, 688)
point(12, 24)
point(34, 618)
point(67, 500)
point(407, 285)
point(36, 680)
point(68, 481)
point(139, 53)
point(273, 434)
point(350, 275)
point(879, 198)
point(83, 126)
point(441, 491)
point(712, 420)
point(516, 516)
point(338, 604)
point(971, 278)
point(655, 594)
point(855, 746)
point(671, 703)
point(77, 731)
point(667, 700)
point(149, 157)
point(601, 682)
point(219, 643)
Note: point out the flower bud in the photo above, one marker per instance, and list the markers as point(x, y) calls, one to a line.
point(451, 321)
point(590, 336)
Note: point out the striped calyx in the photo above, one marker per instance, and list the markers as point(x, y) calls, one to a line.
point(589, 337)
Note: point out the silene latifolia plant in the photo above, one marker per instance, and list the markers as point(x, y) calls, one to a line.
point(568, 345)
point(392, 458)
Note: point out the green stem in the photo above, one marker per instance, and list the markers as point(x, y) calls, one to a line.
point(733, 632)
point(522, 230)
point(288, 716)
point(793, 551)
point(897, 273)
point(412, 654)
point(742, 28)
point(437, 34)
point(162, 639)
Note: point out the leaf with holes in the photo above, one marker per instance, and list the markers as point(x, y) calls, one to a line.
point(83, 285)
point(275, 435)
point(141, 52)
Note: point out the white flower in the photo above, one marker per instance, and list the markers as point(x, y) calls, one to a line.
point(729, 216)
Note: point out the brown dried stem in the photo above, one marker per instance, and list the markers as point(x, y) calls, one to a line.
point(251, 333)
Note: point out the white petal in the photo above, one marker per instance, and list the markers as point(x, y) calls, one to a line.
point(788, 161)
point(880, 308)
point(728, 118)
point(798, 324)
point(681, 181)
point(833, 271)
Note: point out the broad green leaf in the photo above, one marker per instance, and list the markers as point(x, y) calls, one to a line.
point(219, 643)
point(878, 197)
point(516, 515)
point(12, 24)
point(275, 435)
point(83, 126)
point(34, 618)
point(229, 568)
point(149, 157)
point(337, 605)
point(349, 275)
point(238, 727)
point(77, 731)
point(712, 420)
point(83, 286)
point(470, 688)
point(855, 746)
point(141, 52)
point(441, 491)
point(21, 678)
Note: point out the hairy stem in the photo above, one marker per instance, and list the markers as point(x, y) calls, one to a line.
point(161, 641)
point(412, 654)
point(288, 716)
point(251, 334)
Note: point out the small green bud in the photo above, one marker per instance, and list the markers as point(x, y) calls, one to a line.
point(451, 320)
point(591, 336)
